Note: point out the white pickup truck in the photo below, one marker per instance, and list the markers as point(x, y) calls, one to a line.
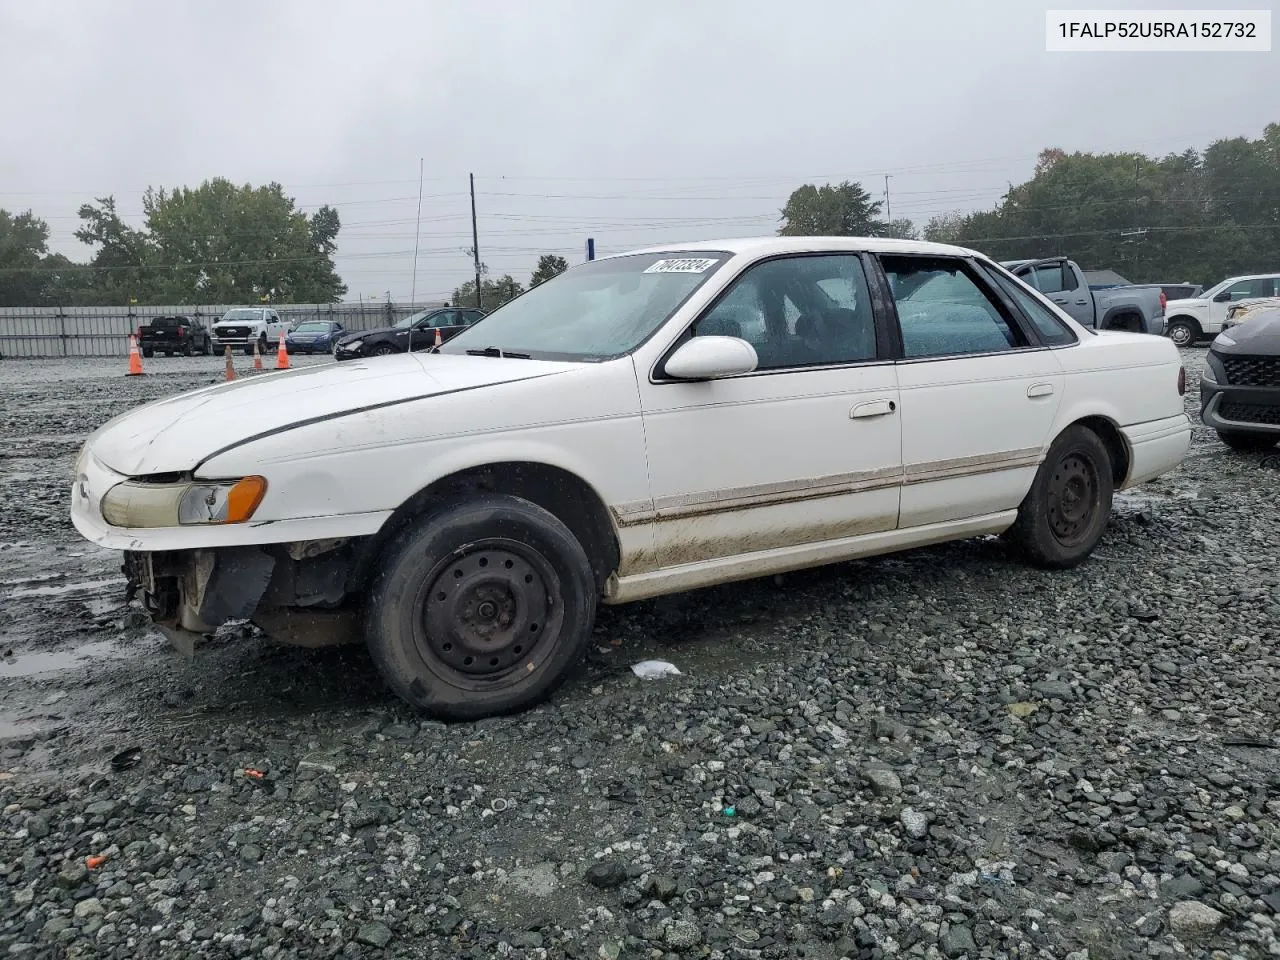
point(1203, 317)
point(241, 327)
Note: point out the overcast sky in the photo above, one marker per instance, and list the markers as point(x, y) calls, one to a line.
point(634, 123)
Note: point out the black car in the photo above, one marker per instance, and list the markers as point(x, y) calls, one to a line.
point(175, 334)
point(1240, 385)
point(417, 332)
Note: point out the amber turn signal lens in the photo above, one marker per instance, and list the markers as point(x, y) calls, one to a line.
point(244, 498)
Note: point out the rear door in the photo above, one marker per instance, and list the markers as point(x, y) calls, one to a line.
point(979, 391)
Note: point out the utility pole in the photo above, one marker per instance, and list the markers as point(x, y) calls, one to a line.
point(475, 240)
point(888, 212)
point(413, 296)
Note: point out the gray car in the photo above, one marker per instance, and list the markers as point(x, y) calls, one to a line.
point(1240, 386)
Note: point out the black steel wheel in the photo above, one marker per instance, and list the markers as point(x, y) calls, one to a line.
point(480, 608)
point(484, 611)
point(1065, 513)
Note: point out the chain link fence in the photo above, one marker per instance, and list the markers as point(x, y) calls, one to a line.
point(104, 331)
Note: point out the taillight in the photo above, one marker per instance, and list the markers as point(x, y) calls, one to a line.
point(139, 330)
point(182, 331)
point(1182, 381)
point(1163, 301)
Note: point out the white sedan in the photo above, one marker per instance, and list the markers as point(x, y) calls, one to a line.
point(642, 424)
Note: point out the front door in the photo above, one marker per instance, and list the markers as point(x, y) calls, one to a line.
point(805, 449)
point(979, 396)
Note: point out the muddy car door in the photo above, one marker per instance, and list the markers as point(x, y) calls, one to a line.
point(801, 450)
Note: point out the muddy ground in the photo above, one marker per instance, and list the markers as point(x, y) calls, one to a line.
point(942, 753)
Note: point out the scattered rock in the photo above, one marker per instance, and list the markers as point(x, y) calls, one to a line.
point(1191, 918)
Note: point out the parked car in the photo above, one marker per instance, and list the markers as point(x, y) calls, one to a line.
point(175, 334)
point(1240, 384)
point(314, 336)
point(1201, 317)
point(1135, 309)
point(416, 332)
point(240, 327)
point(1175, 291)
point(618, 433)
point(1242, 310)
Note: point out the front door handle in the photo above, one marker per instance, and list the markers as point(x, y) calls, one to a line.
point(1082, 302)
point(1040, 390)
point(872, 408)
point(1059, 299)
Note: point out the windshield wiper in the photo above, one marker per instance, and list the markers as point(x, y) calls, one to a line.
point(496, 352)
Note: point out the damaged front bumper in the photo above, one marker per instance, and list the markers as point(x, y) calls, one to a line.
point(294, 592)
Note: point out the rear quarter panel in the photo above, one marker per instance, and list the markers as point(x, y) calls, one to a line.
point(1126, 378)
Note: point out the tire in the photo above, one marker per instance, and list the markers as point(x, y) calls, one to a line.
point(1063, 516)
point(207, 349)
point(428, 629)
point(188, 350)
point(168, 353)
point(1182, 332)
point(383, 350)
point(148, 352)
point(1248, 442)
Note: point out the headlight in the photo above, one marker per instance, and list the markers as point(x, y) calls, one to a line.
point(353, 345)
point(1208, 374)
point(134, 504)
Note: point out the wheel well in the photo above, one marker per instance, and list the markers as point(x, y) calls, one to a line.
point(565, 495)
point(1190, 321)
point(1123, 319)
point(1118, 450)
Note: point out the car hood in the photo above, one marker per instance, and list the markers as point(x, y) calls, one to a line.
point(178, 434)
point(1259, 335)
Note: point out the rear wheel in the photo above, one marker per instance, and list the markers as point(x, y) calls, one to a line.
point(1248, 442)
point(188, 350)
point(482, 607)
point(1063, 516)
point(148, 352)
point(168, 353)
point(1182, 332)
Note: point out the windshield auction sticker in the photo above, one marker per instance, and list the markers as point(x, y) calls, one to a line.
point(689, 265)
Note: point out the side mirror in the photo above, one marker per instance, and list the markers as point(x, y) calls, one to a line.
point(1223, 297)
point(709, 358)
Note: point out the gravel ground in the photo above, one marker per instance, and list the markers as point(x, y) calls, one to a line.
point(939, 754)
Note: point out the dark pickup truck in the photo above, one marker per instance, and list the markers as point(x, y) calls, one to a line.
point(177, 334)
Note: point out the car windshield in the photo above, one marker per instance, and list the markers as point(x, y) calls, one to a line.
point(247, 313)
point(594, 311)
point(312, 326)
point(408, 322)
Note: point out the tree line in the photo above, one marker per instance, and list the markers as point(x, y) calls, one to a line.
point(215, 243)
point(1192, 216)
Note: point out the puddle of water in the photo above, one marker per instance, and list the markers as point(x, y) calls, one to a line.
point(55, 661)
point(61, 589)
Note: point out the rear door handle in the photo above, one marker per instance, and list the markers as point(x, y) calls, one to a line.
point(1040, 390)
point(1082, 302)
point(872, 408)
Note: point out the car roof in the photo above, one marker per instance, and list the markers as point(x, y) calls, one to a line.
point(762, 246)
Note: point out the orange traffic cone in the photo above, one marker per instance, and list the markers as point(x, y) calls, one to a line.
point(231, 367)
point(257, 356)
point(438, 340)
point(135, 357)
point(282, 355)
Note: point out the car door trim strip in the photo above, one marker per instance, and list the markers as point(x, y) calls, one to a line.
point(835, 485)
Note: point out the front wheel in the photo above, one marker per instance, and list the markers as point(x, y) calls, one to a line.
point(1248, 442)
point(481, 608)
point(188, 350)
point(383, 350)
point(1182, 332)
point(1063, 516)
